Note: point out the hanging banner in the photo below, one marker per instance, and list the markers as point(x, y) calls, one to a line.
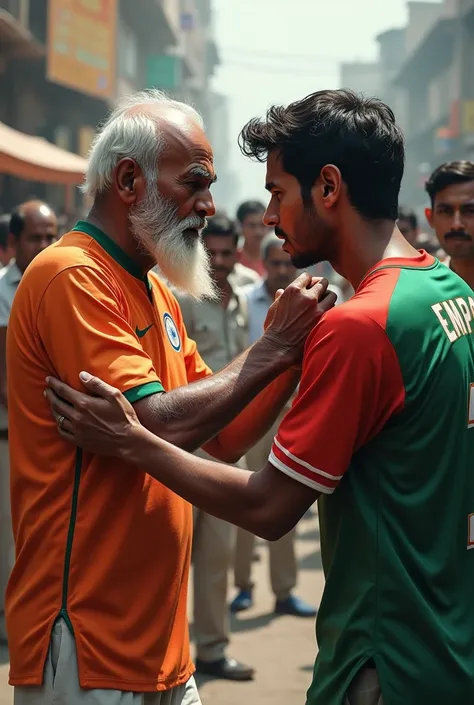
point(81, 45)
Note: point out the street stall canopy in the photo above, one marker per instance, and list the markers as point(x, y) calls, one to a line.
point(35, 159)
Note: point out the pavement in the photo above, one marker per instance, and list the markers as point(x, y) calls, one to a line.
point(281, 649)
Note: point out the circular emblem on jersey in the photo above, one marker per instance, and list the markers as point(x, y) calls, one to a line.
point(172, 332)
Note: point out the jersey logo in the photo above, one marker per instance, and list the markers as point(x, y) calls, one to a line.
point(172, 332)
point(470, 412)
point(140, 332)
point(470, 531)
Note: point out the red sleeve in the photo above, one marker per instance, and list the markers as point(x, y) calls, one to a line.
point(351, 385)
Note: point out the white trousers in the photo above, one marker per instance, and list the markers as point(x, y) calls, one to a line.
point(61, 682)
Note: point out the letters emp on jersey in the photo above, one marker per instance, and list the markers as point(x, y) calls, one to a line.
point(383, 427)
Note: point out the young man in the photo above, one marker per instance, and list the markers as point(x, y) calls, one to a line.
point(220, 331)
point(382, 430)
point(451, 215)
point(96, 603)
point(250, 218)
point(280, 272)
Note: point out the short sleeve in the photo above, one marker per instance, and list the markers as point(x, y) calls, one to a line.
point(82, 324)
point(351, 385)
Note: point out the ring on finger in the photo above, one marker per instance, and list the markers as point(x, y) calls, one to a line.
point(61, 421)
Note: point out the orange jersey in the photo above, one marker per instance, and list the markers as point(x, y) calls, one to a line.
point(98, 542)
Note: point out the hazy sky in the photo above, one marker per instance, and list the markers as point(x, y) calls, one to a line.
point(276, 51)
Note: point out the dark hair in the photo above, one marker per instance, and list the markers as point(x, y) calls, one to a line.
point(249, 208)
point(358, 135)
point(410, 216)
point(17, 222)
point(222, 226)
point(4, 230)
point(447, 174)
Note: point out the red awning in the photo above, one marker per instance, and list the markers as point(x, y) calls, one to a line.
point(36, 159)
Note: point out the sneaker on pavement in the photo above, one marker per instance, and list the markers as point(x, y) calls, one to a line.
point(225, 668)
point(242, 602)
point(295, 606)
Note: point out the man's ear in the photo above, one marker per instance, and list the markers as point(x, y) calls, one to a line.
point(328, 186)
point(429, 216)
point(126, 175)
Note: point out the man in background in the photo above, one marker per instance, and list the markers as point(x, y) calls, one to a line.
point(250, 217)
point(6, 250)
point(280, 272)
point(451, 215)
point(31, 228)
point(408, 225)
point(219, 328)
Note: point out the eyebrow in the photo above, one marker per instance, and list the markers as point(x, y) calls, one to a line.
point(444, 204)
point(269, 185)
point(203, 173)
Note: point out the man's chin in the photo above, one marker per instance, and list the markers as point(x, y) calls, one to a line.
point(304, 260)
point(459, 250)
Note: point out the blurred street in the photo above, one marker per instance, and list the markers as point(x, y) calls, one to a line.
point(282, 649)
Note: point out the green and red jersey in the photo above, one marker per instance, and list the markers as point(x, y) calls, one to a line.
point(383, 428)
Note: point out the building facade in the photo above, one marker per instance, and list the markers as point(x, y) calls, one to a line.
point(361, 76)
point(65, 63)
point(436, 83)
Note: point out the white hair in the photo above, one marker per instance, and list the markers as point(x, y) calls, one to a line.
point(128, 132)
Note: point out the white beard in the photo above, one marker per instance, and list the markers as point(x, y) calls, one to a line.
point(182, 260)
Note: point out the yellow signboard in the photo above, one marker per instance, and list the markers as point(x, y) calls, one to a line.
point(468, 117)
point(81, 45)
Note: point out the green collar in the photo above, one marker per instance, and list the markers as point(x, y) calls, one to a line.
point(112, 249)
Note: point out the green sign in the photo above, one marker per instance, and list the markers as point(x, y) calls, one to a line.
point(164, 72)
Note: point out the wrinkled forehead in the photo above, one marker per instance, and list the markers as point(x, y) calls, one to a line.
point(456, 194)
point(184, 141)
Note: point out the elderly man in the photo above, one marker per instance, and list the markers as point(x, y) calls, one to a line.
point(96, 603)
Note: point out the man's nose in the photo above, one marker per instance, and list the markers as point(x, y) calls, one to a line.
point(457, 221)
point(271, 219)
point(205, 206)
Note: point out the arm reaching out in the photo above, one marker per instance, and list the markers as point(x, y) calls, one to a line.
point(266, 503)
point(192, 415)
